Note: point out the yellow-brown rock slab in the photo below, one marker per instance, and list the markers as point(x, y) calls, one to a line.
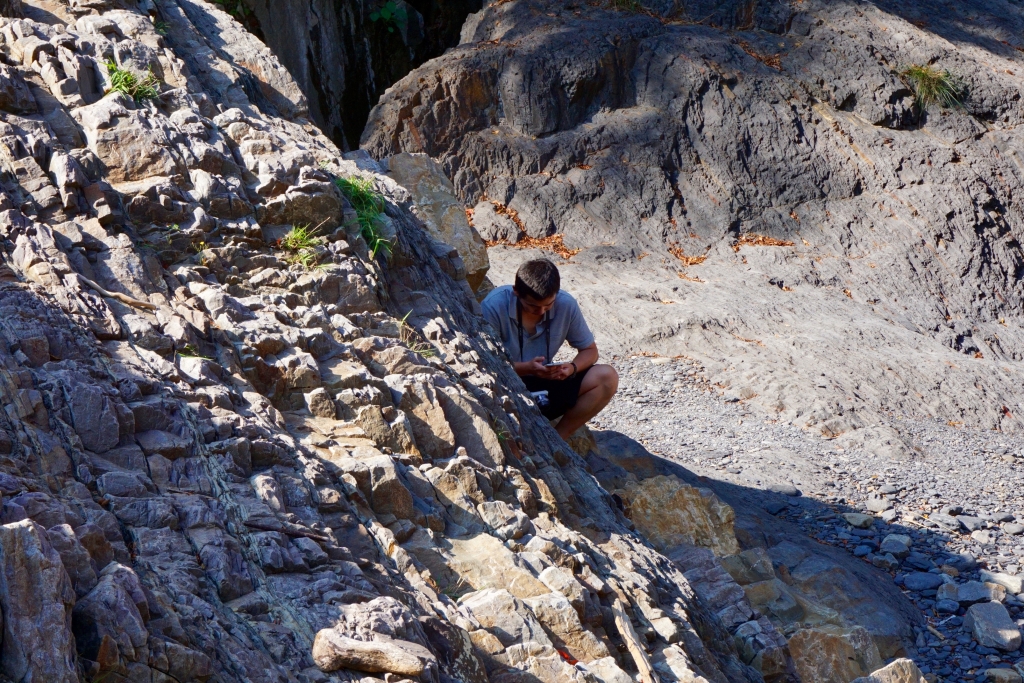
point(670, 512)
point(833, 654)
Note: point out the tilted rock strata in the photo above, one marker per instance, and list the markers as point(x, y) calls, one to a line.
point(213, 457)
point(792, 609)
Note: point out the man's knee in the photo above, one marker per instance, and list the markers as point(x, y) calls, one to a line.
point(608, 378)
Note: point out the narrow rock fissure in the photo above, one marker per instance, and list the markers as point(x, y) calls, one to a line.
point(343, 60)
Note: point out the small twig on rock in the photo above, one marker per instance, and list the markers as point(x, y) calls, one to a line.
point(123, 298)
point(625, 628)
point(290, 531)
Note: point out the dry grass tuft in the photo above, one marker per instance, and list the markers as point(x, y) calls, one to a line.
point(503, 210)
point(678, 252)
point(773, 61)
point(932, 86)
point(751, 239)
point(552, 243)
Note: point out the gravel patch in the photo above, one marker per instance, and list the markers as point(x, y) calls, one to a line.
point(938, 522)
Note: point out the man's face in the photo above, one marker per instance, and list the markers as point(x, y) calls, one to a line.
point(536, 307)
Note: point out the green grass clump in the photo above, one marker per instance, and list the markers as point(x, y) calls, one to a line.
point(138, 88)
point(392, 15)
point(410, 337)
point(308, 259)
point(303, 242)
point(501, 431)
point(189, 351)
point(300, 237)
point(369, 205)
point(932, 86)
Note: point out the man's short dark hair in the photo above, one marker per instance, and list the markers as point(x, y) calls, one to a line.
point(538, 279)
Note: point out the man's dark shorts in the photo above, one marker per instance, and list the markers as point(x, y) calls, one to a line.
point(562, 393)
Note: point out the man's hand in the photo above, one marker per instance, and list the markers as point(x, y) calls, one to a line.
point(559, 372)
point(536, 368)
point(533, 368)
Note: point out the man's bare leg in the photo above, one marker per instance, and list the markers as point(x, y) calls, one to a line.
point(596, 391)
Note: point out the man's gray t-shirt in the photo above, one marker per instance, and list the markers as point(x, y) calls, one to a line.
point(564, 322)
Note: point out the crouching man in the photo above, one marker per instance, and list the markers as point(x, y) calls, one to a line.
point(534, 318)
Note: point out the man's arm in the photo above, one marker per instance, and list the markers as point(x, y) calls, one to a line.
point(585, 357)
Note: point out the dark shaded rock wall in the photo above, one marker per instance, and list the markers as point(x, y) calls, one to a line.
point(344, 61)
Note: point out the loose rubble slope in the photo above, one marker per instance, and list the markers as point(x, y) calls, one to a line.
point(753, 185)
point(231, 453)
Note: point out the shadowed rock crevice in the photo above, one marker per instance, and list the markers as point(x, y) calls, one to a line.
point(343, 61)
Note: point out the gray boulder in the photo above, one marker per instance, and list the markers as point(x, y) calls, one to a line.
point(990, 624)
point(897, 544)
point(921, 581)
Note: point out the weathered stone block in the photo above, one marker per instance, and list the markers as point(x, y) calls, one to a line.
point(36, 597)
point(333, 651)
point(833, 654)
point(670, 512)
point(899, 671)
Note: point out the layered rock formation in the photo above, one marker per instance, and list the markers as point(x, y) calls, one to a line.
point(239, 446)
point(818, 615)
point(753, 185)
